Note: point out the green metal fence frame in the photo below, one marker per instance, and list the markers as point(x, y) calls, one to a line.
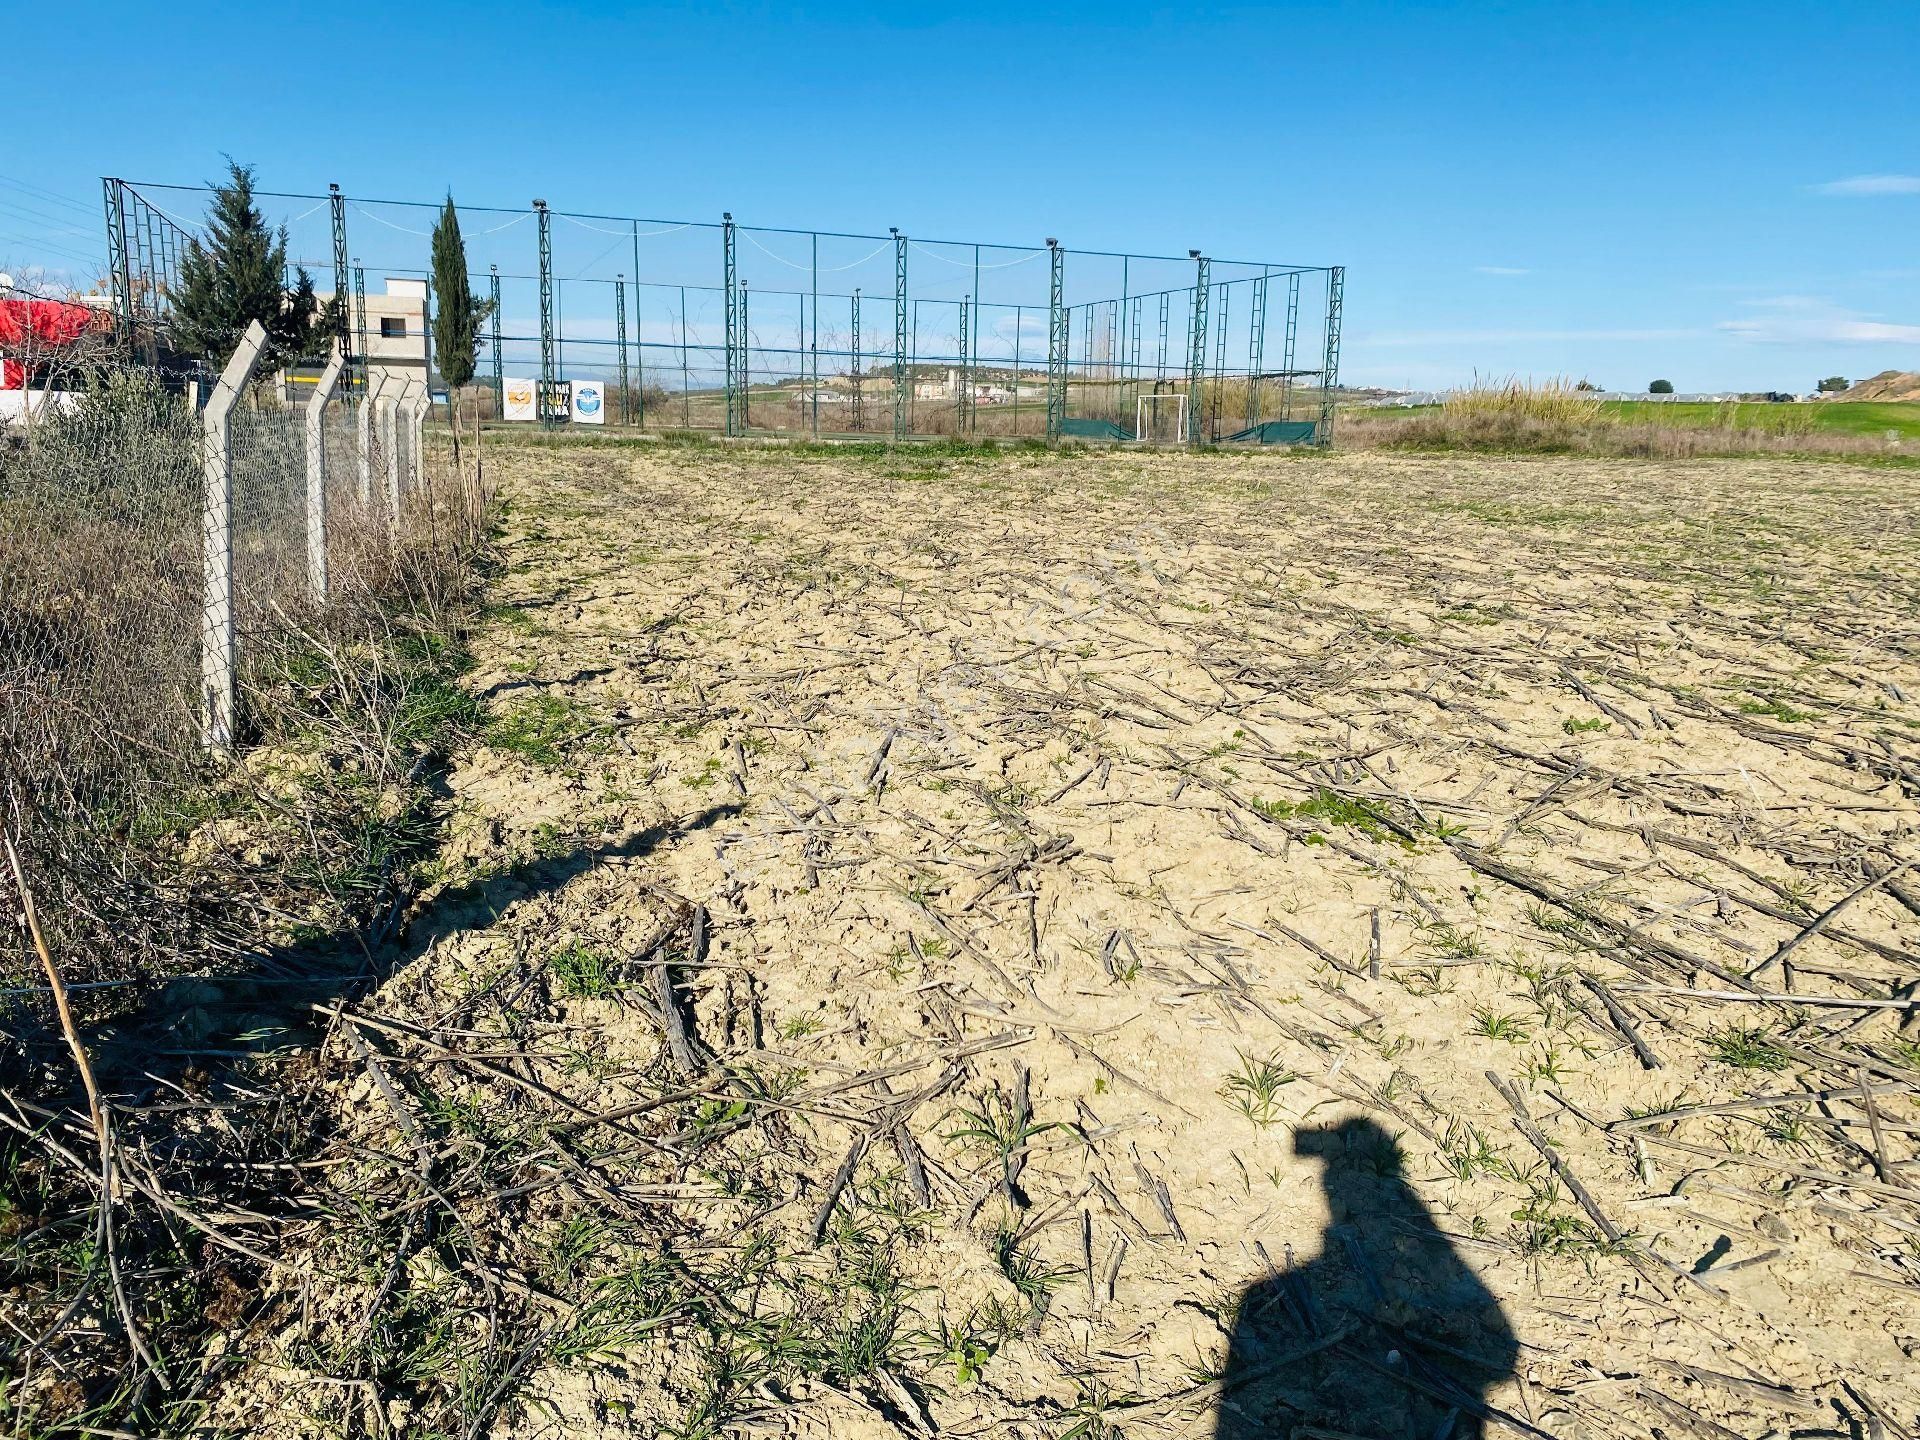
point(1096, 366)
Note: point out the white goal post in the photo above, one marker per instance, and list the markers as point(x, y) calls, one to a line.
point(1141, 429)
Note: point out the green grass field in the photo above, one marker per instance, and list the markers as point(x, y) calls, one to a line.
point(1842, 417)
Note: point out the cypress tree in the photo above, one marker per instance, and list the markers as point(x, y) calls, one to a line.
point(456, 316)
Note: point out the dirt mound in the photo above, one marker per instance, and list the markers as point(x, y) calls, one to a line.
point(1887, 385)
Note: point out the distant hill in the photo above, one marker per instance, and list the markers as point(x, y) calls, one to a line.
point(1887, 385)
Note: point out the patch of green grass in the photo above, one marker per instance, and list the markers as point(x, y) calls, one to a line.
point(1031, 1276)
point(1593, 724)
point(1500, 1025)
point(1775, 708)
point(1448, 940)
point(1748, 1047)
point(538, 728)
point(1000, 1128)
point(1335, 809)
point(704, 777)
point(1254, 1089)
point(1469, 1154)
point(583, 972)
point(518, 618)
point(1835, 417)
point(434, 714)
point(796, 1026)
point(1544, 1230)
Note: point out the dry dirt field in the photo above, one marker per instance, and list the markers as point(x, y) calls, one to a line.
point(1116, 945)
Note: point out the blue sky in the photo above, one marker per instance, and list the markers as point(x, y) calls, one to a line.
point(1719, 194)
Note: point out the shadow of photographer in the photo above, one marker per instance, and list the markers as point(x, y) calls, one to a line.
point(1387, 1333)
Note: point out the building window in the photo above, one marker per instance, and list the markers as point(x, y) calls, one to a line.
point(393, 327)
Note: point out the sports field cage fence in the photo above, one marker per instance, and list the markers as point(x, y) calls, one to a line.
point(753, 330)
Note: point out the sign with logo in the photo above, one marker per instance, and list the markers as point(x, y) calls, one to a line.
point(517, 399)
point(590, 402)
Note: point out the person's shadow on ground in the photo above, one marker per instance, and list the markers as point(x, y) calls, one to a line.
point(1386, 1334)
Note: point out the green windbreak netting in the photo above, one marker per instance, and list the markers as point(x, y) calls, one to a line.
point(1095, 429)
point(1276, 432)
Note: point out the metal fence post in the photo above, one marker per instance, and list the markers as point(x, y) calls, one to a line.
point(729, 273)
point(814, 266)
point(493, 322)
point(547, 376)
point(620, 341)
point(217, 640)
point(899, 334)
point(1056, 340)
point(1330, 361)
point(1287, 356)
point(316, 418)
point(337, 213)
point(119, 265)
point(1197, 349)
point(858, 419)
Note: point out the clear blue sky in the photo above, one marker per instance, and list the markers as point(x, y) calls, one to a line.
point(1719, 194)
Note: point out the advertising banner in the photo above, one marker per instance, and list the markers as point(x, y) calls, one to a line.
point(517, 398)
point(590, 402)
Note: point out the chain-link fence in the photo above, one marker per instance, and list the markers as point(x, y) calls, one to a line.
point(131, 563)
point(751, 329)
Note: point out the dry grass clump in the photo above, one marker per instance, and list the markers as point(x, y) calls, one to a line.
point(1513, 416)
point(1556, 401)
point(1553, 416)
point(195, 908)
point(103, 784)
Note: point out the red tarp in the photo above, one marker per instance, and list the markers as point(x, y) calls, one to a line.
point(42, 322)
point(35, 326)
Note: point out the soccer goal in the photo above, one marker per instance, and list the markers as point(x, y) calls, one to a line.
point(1161, 418)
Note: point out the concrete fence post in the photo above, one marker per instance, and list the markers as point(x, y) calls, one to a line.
point(363, 439)
point(418, 408)
point(388, 409)
point(218, 652)
point(316, 419)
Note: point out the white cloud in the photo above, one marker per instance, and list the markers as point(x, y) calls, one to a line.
point(1500, 270)
point(1808, 320)
point(1871, 185)
point(1511, 337)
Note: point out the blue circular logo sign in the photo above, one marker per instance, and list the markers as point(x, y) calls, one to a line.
point(588, 400)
